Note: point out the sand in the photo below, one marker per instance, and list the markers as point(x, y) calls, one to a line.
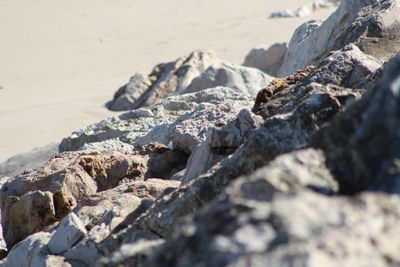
point(60, 61)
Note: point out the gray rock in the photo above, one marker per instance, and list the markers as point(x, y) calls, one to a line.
point(129, 126)
point(370, 24)
point(30, 252)
point(165, 79)
point(267, 59)
point(31, 159)
point(346, 67)
point(192, 130)
point(69, 231)
point(365, 138)
point(248, 227)
point(221, 142)
point(244, 80)
point(282, 14)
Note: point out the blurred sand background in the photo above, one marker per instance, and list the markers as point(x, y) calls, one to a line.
point(60, 61)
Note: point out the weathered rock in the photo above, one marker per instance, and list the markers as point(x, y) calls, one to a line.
point(165, 79)
point(267, 59)
point(30, 252)
point(31, 159)
point(122, 131)
point(362, 144)
point(33, 200)
point(69, 231)
point(192, 130)
point(243, 80)
point(246, 227)
point(220, 142)
point(346, 67)
point(370, 24)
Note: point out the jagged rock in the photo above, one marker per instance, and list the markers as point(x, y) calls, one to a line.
point(69, 231)
point(220, 142)
point(165, 79)
point(31, 159)
point(191, 131)
point(127, 127)
point(370, 24)
point(346, 68)
point(248, 227)
point(244, 80)
point(267, 59)
point(362, 144)
point(33, 200)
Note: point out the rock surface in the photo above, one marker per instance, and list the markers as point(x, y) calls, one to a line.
point(309, 178)
point(371, 25)
point(165, 79)
point(242, 79)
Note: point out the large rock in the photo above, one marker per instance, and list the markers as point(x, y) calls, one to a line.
point(242, 79)
point(370, 24)
point(362, 145)
point(165, 79)
point(35, 199)
point(255, 225)
point(120, 132)
point(267, 59)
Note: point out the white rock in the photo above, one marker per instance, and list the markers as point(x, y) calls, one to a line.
point(242, 79)
point(30, 252)
point(303, 11)
point(68, 233)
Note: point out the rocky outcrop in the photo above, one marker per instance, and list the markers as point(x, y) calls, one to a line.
point(372, 25)
point(267, 59)
point(242, 79)
point(282, 185)
point(33, 200)
point(165, 79)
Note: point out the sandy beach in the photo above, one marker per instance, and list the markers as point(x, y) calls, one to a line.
point(60, 61)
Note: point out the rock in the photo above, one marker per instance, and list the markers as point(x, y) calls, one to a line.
point(191, 131)
point(125, 97)
point(69, 231)
point(123, 130)
point(282, 14)
point(246, 227)
point(22, 216)
point(30, 252)
point(33, 200)
point(371, 25)
point(346, 67)
point(165, 79)
point(365, 138)
point(31, 159)
point(243, 80)
point(130, 254)
point(220, 142)
point(267, 59)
